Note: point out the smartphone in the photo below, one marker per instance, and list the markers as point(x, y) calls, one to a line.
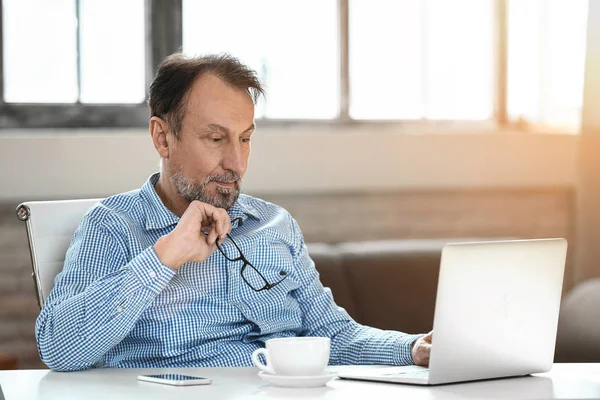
point(175, 379)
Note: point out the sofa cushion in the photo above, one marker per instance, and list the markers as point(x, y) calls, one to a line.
point(394, 283)
point(329, 264)
point(7, 362)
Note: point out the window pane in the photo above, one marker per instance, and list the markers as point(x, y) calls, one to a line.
point(524, 58)
point(112, 51)
point(292, 46)
point(414, 59)
point(386, 59)
point(546, 60)
point(40, 51)
point(459, 59)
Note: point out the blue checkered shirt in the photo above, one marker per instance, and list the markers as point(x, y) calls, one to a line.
point(116, 305)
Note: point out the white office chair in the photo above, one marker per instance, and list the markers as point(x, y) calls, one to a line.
point(50, 226)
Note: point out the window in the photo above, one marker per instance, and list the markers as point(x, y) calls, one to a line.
point(66, 51)
point(413, 59)
point(292, 46)
point(111, 51)
point(89, 62)
point(546, 57)
point(40, 60)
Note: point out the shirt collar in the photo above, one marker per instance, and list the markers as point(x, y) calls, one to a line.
point(241, 210)
point(158, 216)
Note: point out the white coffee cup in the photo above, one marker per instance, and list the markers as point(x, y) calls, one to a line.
point(294, 356)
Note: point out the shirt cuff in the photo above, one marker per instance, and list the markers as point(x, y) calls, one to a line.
point(151, 273)
point(403, 353)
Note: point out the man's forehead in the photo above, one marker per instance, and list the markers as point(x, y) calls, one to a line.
point(209, 87)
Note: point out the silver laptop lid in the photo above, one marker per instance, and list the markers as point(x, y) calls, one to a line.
point(497, 308)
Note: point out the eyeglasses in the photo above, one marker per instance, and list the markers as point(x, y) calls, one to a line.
point(251, 276)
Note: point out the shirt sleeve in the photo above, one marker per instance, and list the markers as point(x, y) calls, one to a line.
point(97, 298)
point(351, 342)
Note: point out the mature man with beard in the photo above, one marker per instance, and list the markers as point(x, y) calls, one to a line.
point(188, 272)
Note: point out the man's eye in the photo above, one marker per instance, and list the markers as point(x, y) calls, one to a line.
point(246, 140)
point(216, 140)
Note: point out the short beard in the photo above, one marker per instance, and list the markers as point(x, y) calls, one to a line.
point(224, 198)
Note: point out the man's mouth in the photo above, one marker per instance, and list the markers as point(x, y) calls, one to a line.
point(226, 184)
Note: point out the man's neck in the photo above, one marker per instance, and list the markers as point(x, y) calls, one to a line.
point(169, 196)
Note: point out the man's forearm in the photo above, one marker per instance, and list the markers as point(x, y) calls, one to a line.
point(74, 331)
point(351, 342)
point(362, 345)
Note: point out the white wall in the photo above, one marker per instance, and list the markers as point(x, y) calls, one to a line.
point(50, 164)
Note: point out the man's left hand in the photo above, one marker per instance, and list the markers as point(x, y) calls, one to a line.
point(421, 349)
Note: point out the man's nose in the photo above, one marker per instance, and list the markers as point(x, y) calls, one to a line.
point(234, 158)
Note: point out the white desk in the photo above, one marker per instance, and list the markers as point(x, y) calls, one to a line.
point(564, 381)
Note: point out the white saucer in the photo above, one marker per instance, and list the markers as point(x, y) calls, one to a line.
point(298, 381)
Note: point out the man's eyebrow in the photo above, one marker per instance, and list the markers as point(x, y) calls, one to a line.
point(217, 128)
point(250, 128)
point(222, 129)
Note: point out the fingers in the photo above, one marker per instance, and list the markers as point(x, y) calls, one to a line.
point(212, 237)
point(429, 337)
point(191, 215)
point(422, 350)
point(423, 353)
point(196, 216)
point(226, 226)
point(426, 349)
point(211, 219)
point(222, 223)
point(426, 353)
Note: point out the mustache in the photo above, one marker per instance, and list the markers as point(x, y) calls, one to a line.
point(226, 177)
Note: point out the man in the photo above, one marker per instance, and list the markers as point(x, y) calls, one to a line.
point(186, 272)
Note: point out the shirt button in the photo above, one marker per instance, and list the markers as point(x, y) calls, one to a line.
point(152, 274)
point(233, 270)
point(119, 309)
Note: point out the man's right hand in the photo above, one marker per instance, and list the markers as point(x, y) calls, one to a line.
point(187, 242)
point(422, 349)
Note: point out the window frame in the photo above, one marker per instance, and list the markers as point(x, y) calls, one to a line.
point(164, 36)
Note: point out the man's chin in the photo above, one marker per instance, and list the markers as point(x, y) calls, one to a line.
point(220, 199)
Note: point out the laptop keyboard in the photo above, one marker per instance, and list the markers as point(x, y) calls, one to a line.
point(408, 371)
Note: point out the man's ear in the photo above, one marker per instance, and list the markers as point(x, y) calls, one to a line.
point(159, 130)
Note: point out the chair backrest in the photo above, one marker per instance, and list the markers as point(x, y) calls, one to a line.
point(50, 227)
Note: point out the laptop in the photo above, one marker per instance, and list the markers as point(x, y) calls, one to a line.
point(496, 314)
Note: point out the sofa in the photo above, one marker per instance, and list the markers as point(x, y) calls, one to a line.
point(393, 284)
point(7, 361)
